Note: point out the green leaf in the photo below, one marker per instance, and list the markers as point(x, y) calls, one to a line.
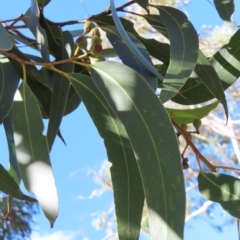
point(143, 4)
point(126, 179)
point(126, 39)
point(43, 3)
point(225, 9)
point(128, 58)
point(6, 42)
point(8, 127)
point(160, 51)
point(8, 86)
point(209, 77)
point(156, 22)
point(42, 93)
point(154, 142)
point(32, 153)
point(226, 63)
point(53, 42)
point(60, 87)
point(183, 50)
point(186, 116)
point(221, 188)
point(31, 19)
point(73, 101)
point(10, 187)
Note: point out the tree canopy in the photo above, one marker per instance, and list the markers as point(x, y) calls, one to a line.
point(127, 99)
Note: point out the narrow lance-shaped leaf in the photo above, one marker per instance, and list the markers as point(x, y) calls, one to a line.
point(142, 3)
point(154, 142)
point(42, 93)
point(31, 19)
point(183, 50)
point(32, 153)
point(226, 63)
point(60, 87)
point(128, 58)
point(10, 187)
point(221, 188)
point(158, 50)
point(126, 179)
point(8, 127)
point(8, 86)
point(209, 77)
point(6, 42)
point(185, 116)
point(225, 9)
point(131, 45)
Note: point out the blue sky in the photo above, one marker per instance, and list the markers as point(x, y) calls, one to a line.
point(85, 149)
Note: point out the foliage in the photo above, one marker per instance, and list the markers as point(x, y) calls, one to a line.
point(125, 101)
point(17, 225)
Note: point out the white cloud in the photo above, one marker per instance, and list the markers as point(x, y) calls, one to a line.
point(59, 235)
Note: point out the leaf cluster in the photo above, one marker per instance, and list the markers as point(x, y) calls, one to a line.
point(123, 100)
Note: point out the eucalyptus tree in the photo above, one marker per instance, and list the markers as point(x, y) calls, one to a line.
point(127, 102)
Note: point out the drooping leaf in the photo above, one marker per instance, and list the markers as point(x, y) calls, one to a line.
point(10, 187)
point(128, 58)
point(126, 39)
point(154, 142)
point(156, 22)
point(8, 86)
point(225, 9)
point(60, 87)
point(43, 3)
point(126, 179)
point(226, 63)
point(221, 188)
point(6, 42)
point(73, 101)
point(31, 19)
point(158, 50)
point(32, 153)
point(8, 127)
point(53, 42)
point(209, 77)
point(183, 50)
point(42, 93)
point(185, 116)
point(142, 3)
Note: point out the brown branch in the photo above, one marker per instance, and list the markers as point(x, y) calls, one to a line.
point(211, 167)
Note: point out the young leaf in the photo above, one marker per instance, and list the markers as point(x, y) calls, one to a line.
point(32, 153)
point(185, 116)
point(10, 187)
point(221, 188)
point(225, 9)
point(125, 38)
point(8, 86)
point(128, 58)
point(6, 42)
point(209, 77)
point(183, 50)
point(60, 88)
point(154, 142)
point(126, 179)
